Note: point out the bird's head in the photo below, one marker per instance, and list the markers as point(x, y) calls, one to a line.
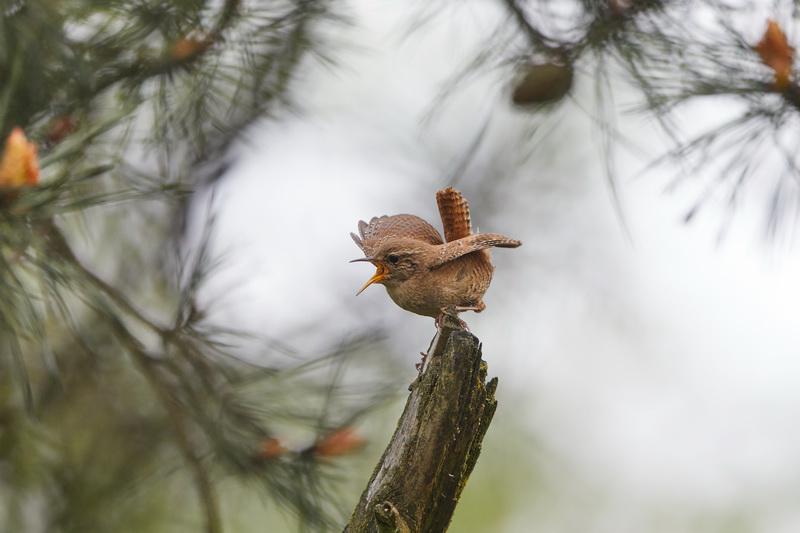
point(395, 261)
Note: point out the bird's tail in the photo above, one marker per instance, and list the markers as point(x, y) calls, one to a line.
point(454, 210)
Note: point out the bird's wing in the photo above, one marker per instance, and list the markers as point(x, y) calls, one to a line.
point(473, 243)
point(372, 236)
point(454, 210)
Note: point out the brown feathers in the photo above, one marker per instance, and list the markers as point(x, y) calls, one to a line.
point(454, 210)
point(473, 243)
point(380, 229)
point(421, 272)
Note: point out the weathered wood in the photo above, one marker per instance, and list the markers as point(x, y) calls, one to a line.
point(416, 484)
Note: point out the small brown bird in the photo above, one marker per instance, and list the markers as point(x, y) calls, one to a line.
point(421, 272)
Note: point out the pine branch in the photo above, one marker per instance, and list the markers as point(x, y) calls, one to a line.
point(417, 483)
point(205, 488)
point(171, 62)
point(129, 335)
point(537, 39)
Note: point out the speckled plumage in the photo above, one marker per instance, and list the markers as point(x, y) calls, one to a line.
point(421, 272)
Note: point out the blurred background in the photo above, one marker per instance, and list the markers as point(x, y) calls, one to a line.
point(184, 348)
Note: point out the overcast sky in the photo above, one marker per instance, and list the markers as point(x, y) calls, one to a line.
point(665, 370)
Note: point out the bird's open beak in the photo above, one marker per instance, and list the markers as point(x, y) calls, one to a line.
point(380, 273)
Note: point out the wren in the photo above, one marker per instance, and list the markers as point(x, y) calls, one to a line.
point(424, 273)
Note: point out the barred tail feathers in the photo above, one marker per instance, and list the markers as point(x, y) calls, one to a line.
point(454, 211)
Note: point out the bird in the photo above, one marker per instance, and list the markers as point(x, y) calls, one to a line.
point(422, 272)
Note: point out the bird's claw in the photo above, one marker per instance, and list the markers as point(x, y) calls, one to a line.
point(448, 318)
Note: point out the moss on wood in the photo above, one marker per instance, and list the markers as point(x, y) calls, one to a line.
point(417, 483)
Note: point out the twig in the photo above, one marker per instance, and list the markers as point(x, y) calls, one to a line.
point(146, 364)
point(168, 64)
point(537, 39)
point(203, 483)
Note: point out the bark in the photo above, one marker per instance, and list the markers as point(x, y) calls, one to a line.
point(416, 485)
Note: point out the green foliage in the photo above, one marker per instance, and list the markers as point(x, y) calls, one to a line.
point(119, 400)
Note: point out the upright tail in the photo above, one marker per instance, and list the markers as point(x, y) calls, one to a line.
point(454, 211)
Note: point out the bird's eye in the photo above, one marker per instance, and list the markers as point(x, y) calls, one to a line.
point(392, 258)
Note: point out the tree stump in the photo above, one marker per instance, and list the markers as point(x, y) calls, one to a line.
point(416, 485)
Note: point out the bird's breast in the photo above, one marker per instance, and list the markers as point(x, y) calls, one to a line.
point(461, 282)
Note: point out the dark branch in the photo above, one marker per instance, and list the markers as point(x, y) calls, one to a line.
point(417, 483)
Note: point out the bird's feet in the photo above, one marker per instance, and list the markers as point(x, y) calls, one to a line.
point(449, 316)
